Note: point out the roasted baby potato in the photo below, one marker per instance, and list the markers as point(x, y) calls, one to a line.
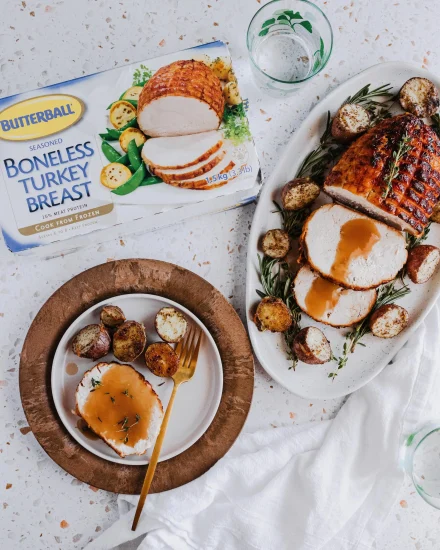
point(129, 134)
point(129, 341)
point(298, 193)
point(171, 325)
point(311, 346)
point(350, 121)
point(161, 359)
point(435, 216)
point(422, 263)
point(121, 112)
point(272, 314)
point(112, 316)
point(419, 97)
point(133, 93)
point(221, 66)
point(232, 94)
point(388, 321)
point(114, 175)
point(276, 243)
point(231, 76)
point(92, 342)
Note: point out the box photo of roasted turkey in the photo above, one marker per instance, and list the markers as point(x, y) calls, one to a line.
point(160, 139)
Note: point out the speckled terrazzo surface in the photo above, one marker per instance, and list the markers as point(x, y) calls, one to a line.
point(45, 42)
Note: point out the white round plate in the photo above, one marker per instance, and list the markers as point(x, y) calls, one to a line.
point(366, 362)
point(196, 402)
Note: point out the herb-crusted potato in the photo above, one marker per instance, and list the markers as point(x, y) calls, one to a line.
point(350, 121)
point(312, 347)
point(298, 193)
point(231, 76)
point(272, 314)
point(112, 316)
point(420, 97)
point(132, 93)
point(276, 243)
point(129, 134)
point(121, 112)
point(388, 321)
point(171, 325)
point(221, 66)
point(92, 342)
point(129, 341)
point(161, 359)
point(114, 175)
point(422, 263)
point(232, 94)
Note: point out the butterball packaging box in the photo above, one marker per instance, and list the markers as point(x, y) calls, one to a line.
point(126, 150)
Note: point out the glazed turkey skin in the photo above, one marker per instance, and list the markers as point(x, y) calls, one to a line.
point(182, 98)
point(359, 178)
point(371, 263)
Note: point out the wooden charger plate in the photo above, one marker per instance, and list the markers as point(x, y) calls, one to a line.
point(125, 277)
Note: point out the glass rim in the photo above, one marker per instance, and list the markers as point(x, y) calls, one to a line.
point(431, 429)
point(290, 81)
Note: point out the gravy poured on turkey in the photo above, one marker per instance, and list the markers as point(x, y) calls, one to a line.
point(322, 296)
point(357, 238)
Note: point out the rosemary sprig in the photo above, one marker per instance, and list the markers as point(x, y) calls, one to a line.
point(293, 220)
point(402, 148)
point(278, 283)
point(387, 294)
point(412, 241)
point(365, 96)
point(436, 123)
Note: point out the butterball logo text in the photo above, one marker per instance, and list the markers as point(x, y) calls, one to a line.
point(39, 117)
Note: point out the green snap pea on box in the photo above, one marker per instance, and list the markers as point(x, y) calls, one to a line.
point(126, 150)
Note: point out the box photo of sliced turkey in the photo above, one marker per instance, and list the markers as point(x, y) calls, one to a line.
point(133, 148)
point(345, 268)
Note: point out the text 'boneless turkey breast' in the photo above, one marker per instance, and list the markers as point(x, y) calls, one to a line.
point(182, 98)
point(359, 178)
point(351, 249)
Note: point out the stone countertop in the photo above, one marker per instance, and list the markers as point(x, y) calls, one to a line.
point(47, 42)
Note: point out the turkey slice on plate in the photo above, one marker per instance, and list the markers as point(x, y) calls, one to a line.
point(329, 303)
point(120, 406)
point(218, 175)
point(176, 153)
point(351, 249)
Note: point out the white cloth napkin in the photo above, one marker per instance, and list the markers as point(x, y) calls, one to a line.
point(308, 487)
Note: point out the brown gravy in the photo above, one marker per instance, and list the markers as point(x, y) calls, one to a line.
point(71, 368)
point(119, 408)
point(322, 296)
point(357, 238)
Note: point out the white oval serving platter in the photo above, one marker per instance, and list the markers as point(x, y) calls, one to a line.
point(196, 402)
point(365, 363)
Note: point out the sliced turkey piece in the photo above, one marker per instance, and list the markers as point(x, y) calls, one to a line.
point(182, 98)
point(120, 406)
point(351, 249)
point(218, 175)
point(175, 153)
point(191, 171)
point(329, 303)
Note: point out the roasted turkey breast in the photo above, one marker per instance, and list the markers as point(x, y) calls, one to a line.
point(182, 98)
point(359, 178)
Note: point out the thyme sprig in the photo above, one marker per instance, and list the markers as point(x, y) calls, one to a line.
point(387, 294)
point(403, 148)
point(126, 428)
point(278, 283)
point(96, 383)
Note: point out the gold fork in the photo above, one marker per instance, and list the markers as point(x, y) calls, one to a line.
point(188, 352)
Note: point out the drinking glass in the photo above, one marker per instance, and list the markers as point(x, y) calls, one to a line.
point(289, 42)
point(421, 461)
